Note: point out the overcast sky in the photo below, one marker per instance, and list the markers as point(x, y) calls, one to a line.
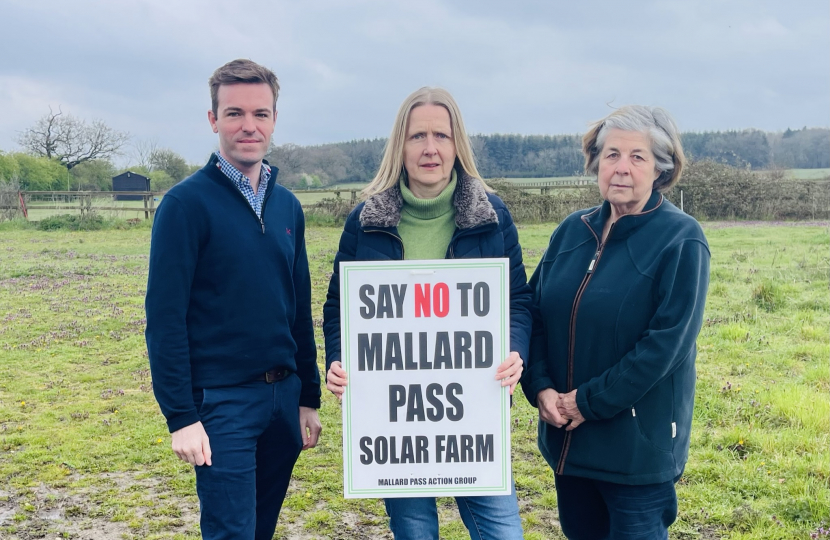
point(514, 66)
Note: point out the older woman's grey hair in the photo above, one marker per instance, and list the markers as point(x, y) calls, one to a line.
point(654, 122)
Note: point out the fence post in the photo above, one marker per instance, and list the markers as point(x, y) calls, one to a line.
point(146, 212)
point(681, 200)
point(23, 205)
point(82, 203)
point(152, 205)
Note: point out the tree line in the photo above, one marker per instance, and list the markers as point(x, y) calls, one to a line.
point(62, 152)
point(539, 156)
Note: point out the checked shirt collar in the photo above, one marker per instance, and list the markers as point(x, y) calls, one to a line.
point(243, 183)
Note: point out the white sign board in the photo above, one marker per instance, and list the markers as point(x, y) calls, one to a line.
point(423, 414)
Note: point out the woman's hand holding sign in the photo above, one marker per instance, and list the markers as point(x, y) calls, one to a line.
point(337, 379)
point(510, 371)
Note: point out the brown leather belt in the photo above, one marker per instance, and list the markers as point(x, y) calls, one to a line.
point(274, 375)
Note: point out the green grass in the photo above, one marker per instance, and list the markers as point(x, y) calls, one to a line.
point(807, 174)
point(307, 199)
point(84, 449)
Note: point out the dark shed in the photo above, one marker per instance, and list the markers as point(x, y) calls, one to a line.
point(130, 181)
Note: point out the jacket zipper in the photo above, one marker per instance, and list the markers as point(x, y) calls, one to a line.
point(460, 234)
point(260, 219)
point(592, 267)
point(261, 216)
point(395, 236)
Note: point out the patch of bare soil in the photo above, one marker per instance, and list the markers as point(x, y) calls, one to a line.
point(351, 527)
point(50, 513)
point(78, 514)
point(702, 532)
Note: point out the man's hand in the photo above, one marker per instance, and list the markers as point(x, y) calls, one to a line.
point(191, 444)
point(510, 371)
point(547, 400)
point(310, 427)
point(568, 409)
point(337, 380)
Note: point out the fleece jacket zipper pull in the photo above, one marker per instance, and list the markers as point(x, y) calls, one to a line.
point(593, 262)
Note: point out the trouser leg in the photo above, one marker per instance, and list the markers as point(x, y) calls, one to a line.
point(413, 518)
point(491, 517)
point(233, 417)
point(277, 451)
point(582, 511)
point(640, 512)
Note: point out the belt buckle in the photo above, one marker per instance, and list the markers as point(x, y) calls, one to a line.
point(269, 378)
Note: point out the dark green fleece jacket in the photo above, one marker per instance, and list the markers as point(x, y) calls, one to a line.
point(618, 323)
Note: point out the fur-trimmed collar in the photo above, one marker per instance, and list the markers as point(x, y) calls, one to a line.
point(472, 207)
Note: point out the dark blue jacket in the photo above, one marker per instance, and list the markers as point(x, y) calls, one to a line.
point(618, 323)
point(484, 228)
point(228, 294)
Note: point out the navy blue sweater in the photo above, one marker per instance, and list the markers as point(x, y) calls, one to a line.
point(620, 330)
point(228, 295)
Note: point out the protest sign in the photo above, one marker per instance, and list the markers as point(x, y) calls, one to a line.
point(423, 414)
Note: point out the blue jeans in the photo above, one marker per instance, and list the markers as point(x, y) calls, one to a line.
point(254, 433)
point(487, 517)
point(597, 510)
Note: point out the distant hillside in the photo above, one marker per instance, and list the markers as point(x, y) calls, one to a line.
point(540, 156)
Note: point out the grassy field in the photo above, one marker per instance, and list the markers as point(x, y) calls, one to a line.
point(84, 452)
point(311, 198)
point(807, 174)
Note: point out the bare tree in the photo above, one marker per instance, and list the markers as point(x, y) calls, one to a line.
point(71, 140)
point(142, 152)
point(288, 157)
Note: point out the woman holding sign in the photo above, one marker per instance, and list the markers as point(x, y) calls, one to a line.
point(428, 201)
point(618, 304)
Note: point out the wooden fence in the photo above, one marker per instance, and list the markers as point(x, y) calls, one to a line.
point(86, 202)
point(82, 201)
point(546, 186)
point(352, 192)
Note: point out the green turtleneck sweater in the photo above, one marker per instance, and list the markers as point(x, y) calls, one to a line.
point(427, 225)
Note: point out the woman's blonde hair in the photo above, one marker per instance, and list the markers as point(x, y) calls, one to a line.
point(391, 166)
point(661, 130)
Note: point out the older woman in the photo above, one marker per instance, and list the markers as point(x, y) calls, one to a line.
point(618, 304)
point(428, 202)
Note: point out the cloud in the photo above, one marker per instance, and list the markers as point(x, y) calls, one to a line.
point(345, 67)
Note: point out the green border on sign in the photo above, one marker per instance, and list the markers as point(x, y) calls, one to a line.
point(346, 268)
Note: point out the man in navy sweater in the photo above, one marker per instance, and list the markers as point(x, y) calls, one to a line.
point(229, 327)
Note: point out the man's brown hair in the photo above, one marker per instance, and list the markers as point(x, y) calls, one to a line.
point(241, 71)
